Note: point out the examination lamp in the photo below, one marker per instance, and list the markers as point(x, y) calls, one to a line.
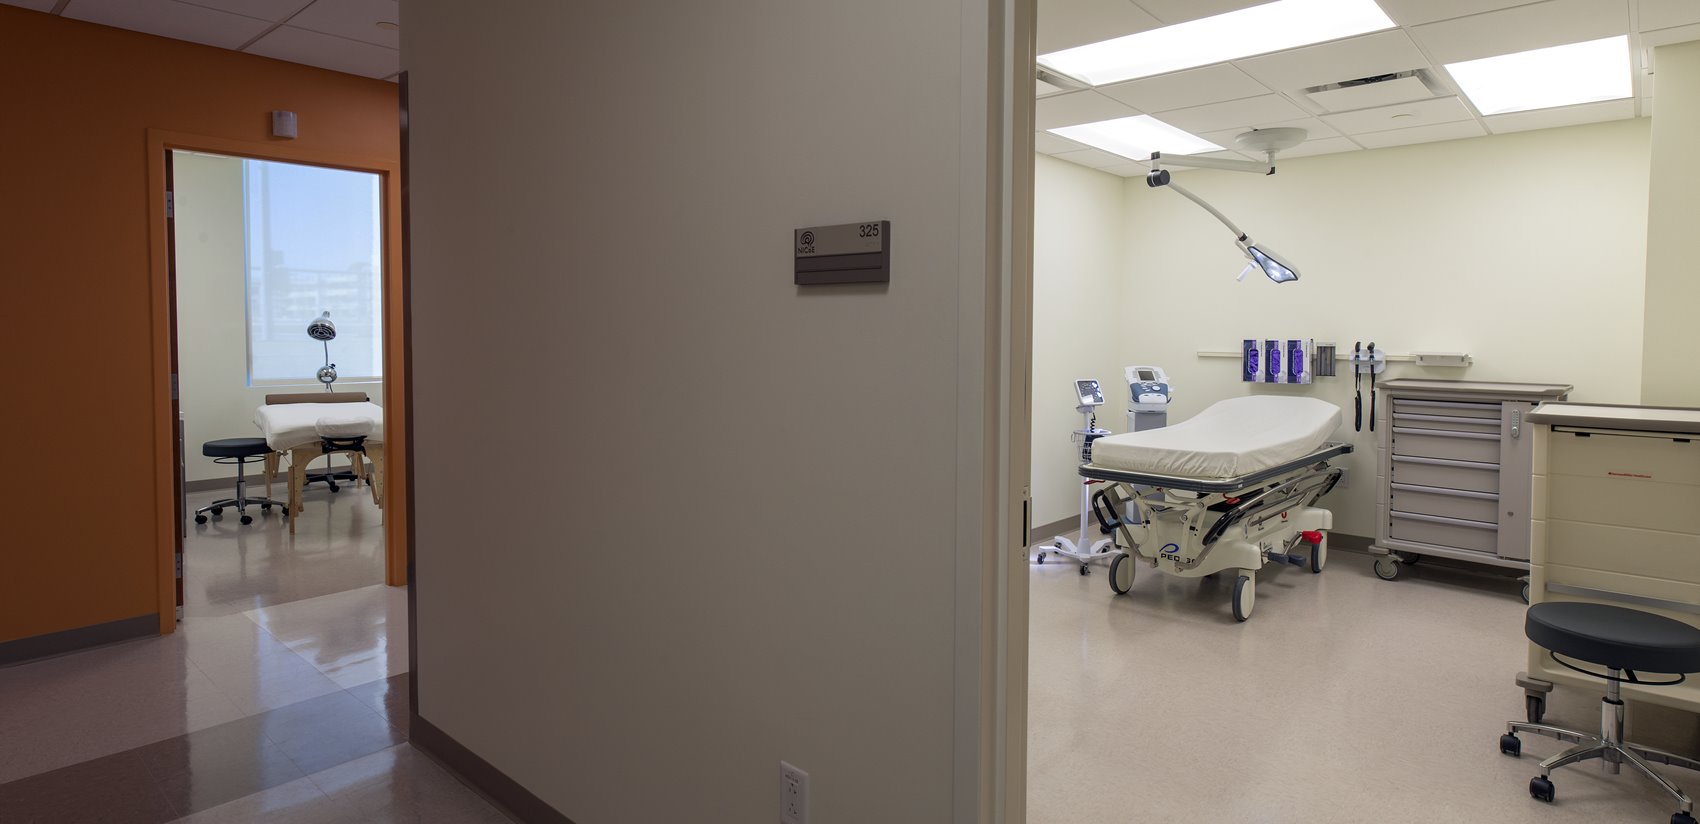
point(1268, 141)
point(322, 329)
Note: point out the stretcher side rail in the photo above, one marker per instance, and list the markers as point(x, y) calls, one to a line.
point(1213, 485)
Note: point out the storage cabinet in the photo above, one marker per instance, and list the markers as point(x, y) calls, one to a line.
point(1453, 468)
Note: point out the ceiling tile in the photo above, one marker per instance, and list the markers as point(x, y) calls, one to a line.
point(1665, 37)
point(169, 19)
point(1313, 127)
point(1553, 23)
point(1193, 87)
point(1047, 143)
point(353, 19)
point(1092, 157)
point(1422, 134)
point(1127, 170)
point(276, 11)
point(1233, 114)
point(1562, 116)
point(1180, 11)
point(1403, 116)
point(1664, 14)
point(1319, 146)
point(327, 52)
point(33, 5)
point(1064, 24)
point(1075, 108)
point(1364, 56)
point(1418, 12)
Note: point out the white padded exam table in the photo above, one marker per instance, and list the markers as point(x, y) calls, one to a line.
point(1227, 490)
point(299, 429)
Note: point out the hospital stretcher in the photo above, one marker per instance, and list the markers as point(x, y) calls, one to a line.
point(305, 427)
point(1226, 491)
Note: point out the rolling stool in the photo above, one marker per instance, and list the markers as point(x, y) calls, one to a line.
point(238, 451)
point(1621, 641)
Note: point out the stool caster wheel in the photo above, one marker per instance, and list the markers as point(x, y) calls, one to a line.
point(265, 507)
point(247, 519)
point(1540, 789)
point(1681, 818)
point(218, 510)
point(1085, 570)
point(1386, 568)
point(335, 488)
point(200, 519)
point(1536, 707)
point(1041, 557)
point(1511, 745)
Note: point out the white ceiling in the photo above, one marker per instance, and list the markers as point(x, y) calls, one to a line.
point(1219, 101)
point(341, 35)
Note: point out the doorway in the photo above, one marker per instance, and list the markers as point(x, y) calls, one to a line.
point(224, 345)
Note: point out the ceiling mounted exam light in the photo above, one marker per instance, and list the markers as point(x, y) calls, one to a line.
point(1268, 141)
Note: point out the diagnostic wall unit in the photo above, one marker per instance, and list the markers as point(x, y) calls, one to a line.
point(1453, 462)
point(1616, 521)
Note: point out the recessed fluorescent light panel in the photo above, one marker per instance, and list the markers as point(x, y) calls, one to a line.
point(1284, 24)
point(1544, 78)
point(1136, 137)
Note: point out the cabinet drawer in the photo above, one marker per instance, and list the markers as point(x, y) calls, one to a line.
point(1471, 506)
point(1454, 446)
point(1473, 477)
point(1453, 409)
point(1430, 419)
point(1427, 529)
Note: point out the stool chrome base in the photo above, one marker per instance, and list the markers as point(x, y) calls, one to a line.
point(1608, 747)
point(241, 502)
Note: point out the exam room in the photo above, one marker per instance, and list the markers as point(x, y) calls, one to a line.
point(1518, 245)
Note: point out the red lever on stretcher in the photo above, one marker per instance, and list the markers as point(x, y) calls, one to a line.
point(1311, 537)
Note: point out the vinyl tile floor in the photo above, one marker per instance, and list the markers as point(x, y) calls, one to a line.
point(282, 697)
point(1345, 698)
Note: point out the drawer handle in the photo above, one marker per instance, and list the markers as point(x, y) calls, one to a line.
point(1486, 467)
point(1436, 490)
point(1406, 416)
point(1441, 519)
point(1481, 407)
point(1444, 433)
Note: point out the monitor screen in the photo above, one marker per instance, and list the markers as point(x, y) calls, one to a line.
point(1147, 375)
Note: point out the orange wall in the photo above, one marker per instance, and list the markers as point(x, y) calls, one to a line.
point(84, 507)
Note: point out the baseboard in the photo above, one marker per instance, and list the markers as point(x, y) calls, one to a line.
point(72, 640)
point(1045, 532)
point(1350, 543)
point(496, 787)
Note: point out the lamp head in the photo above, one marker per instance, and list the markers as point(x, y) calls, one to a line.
point(1268, 260)
point(322, 328)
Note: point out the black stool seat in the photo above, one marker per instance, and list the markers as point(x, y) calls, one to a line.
point(235, 448)
point(1615, 637)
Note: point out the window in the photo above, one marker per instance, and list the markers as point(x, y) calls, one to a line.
point(315, 244)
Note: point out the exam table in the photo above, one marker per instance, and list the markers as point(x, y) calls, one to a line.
point(1228, 490)
point(308, 426)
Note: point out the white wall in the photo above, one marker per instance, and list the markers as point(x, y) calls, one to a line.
point(212, 342)
point(1078, 311)
point(1671, 377)
point(729, 520)
point(1525, 250)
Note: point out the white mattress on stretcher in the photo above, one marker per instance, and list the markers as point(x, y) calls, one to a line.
point(288, 425)
point(1230, 439)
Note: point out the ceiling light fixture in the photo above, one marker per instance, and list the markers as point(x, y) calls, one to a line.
point(1136, 138)
point(1271, 27)
point(1268, 141)
point(1544, 78)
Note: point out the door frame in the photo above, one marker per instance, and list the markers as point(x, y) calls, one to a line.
point(163, 299)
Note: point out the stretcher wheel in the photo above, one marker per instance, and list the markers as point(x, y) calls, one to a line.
point(1408, 557)
point(1525, 592)
point(1510, 745)
point(1121, 573)
point(1386, 567)
point(1680, 817)
point(1318, 555)
point(247, 519)
point(1245, 596)
point(200, 519)
point(1535, 707)
point(1540, 788)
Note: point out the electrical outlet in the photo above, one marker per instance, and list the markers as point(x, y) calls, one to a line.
point(793, 795)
